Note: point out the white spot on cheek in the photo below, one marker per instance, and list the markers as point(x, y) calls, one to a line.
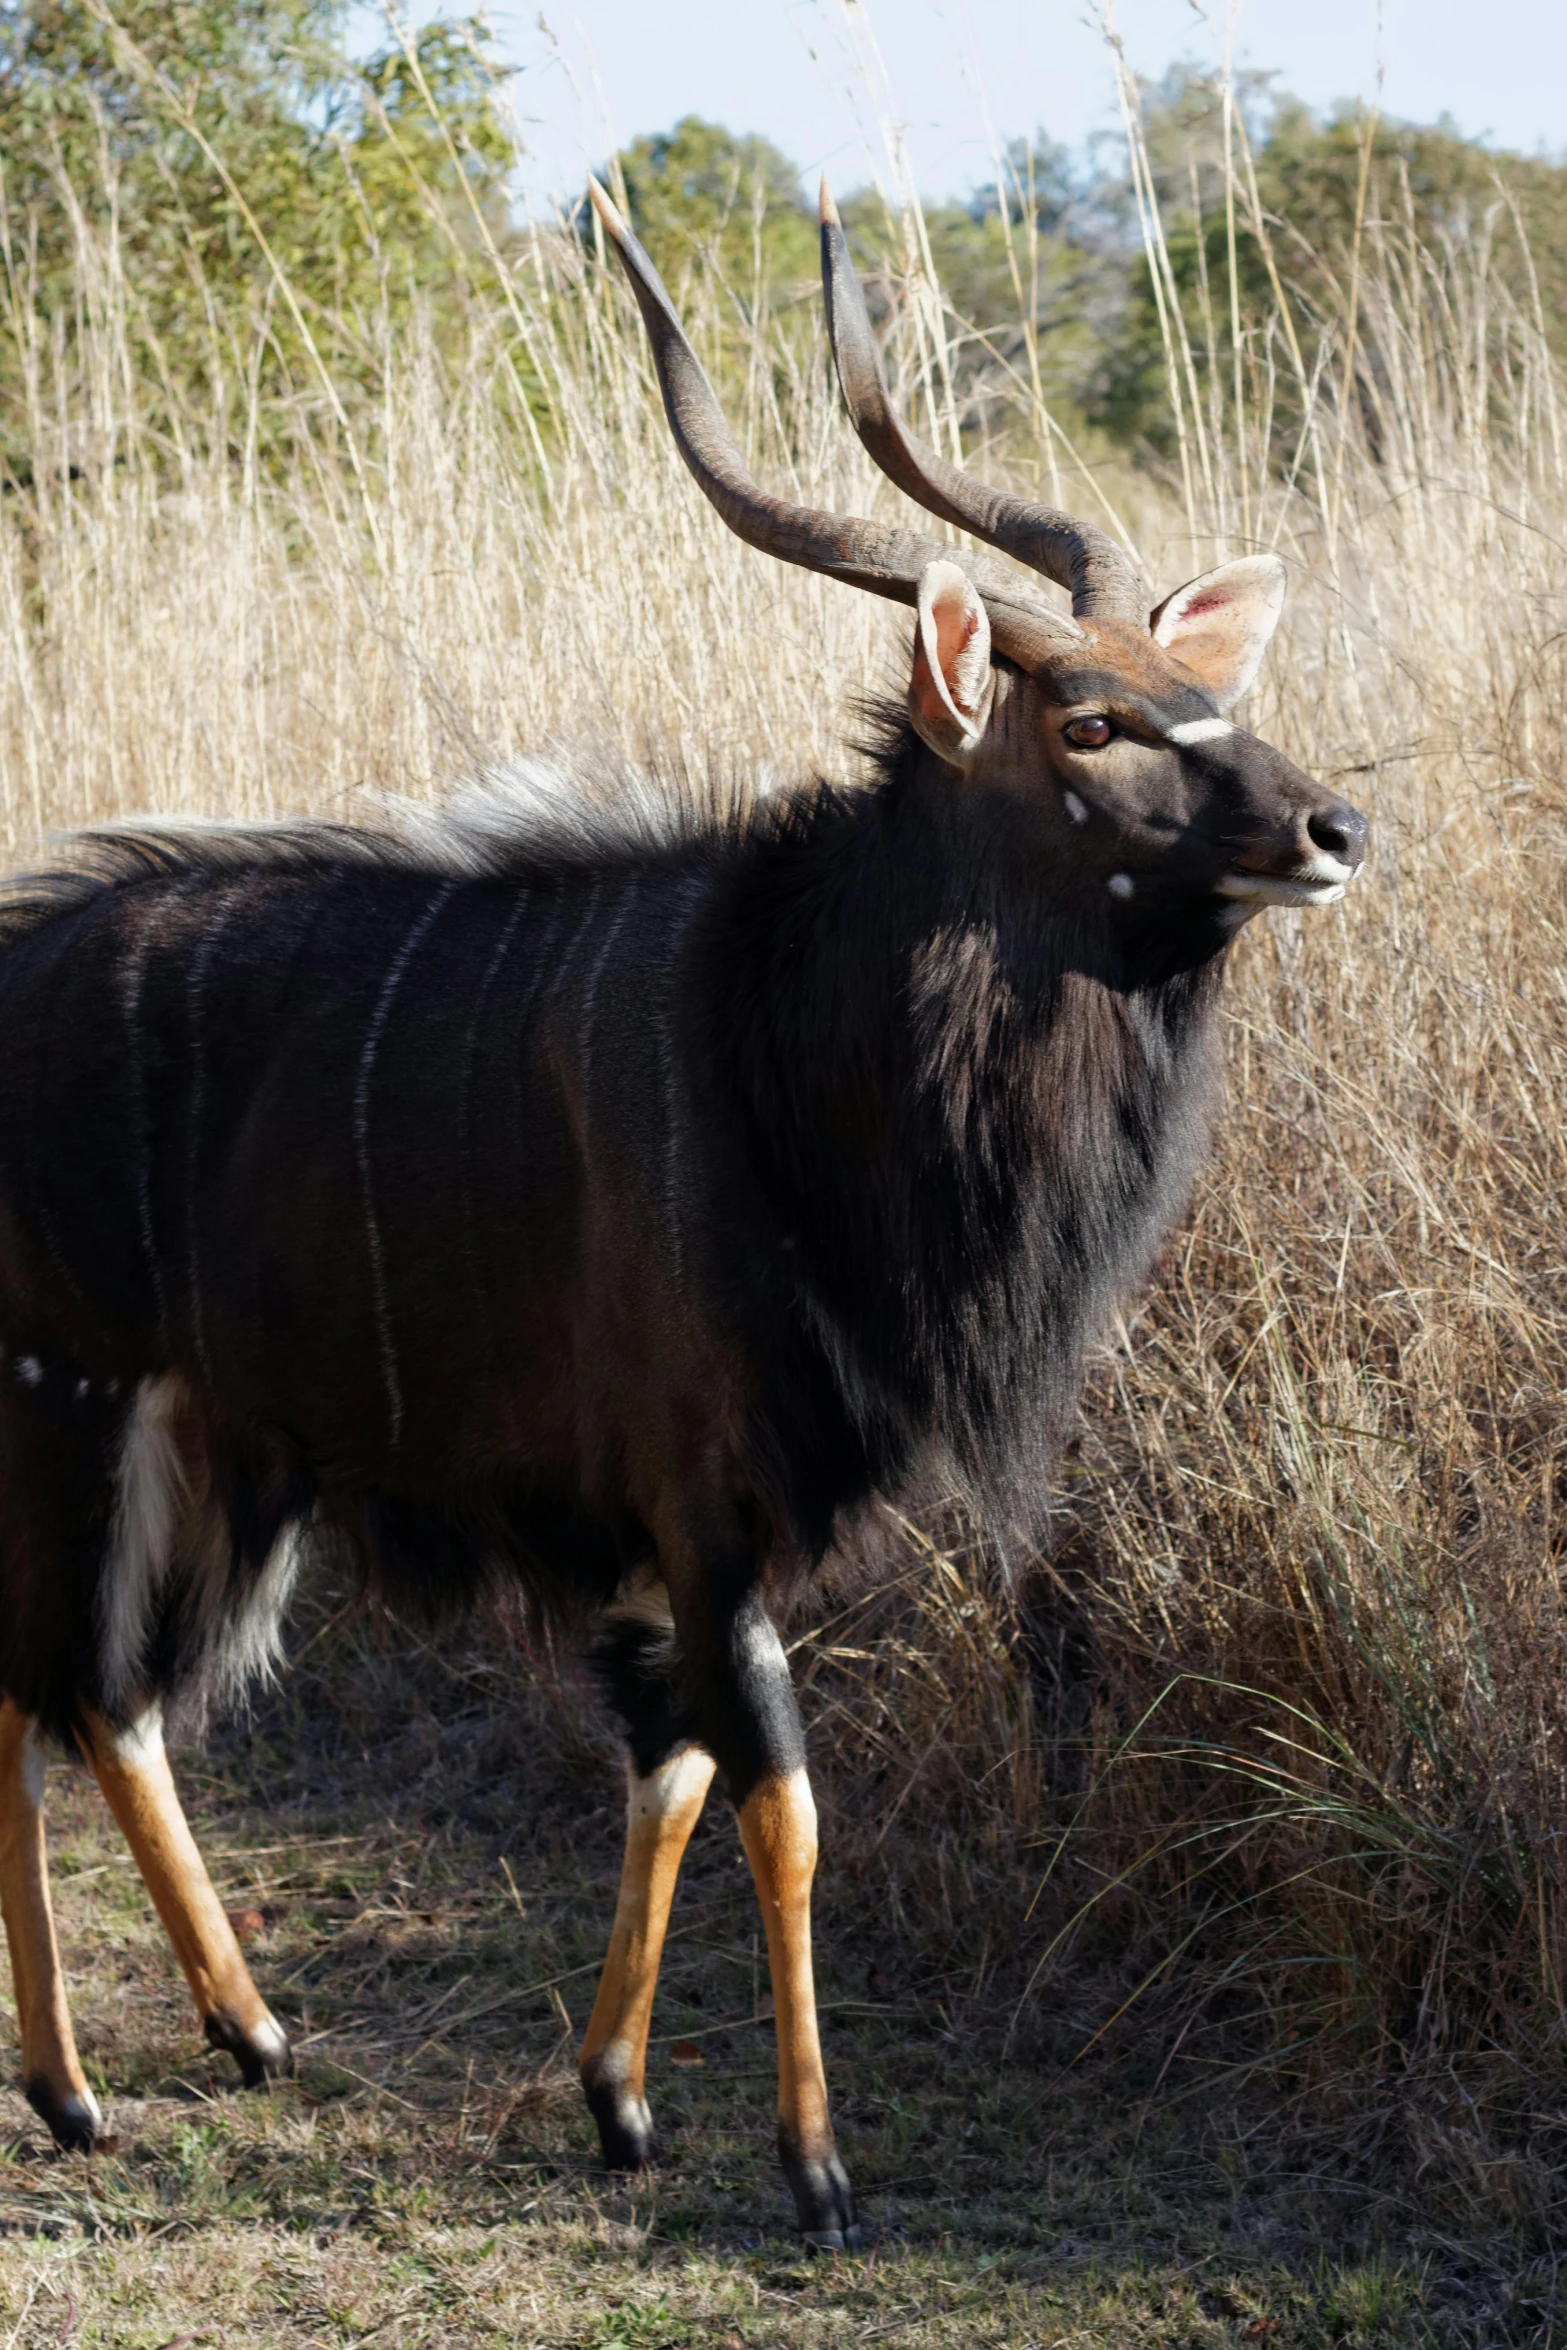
point(1075, 808)
point(29, 1370)
point(1120, 885)
point(1199, 730)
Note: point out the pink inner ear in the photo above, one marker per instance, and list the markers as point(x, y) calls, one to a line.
point(1219, 624)
point(1214, 601)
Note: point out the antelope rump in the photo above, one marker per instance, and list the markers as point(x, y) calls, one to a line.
point(572, 1192)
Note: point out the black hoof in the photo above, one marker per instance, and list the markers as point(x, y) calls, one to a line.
point(625, 2125)
point(823, 2197)
point(262, 2053)
point(71, 2115)
point(832, 2239)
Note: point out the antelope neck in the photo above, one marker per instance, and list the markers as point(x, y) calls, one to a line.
point(968, 1109)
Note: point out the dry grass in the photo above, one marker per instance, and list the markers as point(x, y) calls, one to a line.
point(1226, 1876)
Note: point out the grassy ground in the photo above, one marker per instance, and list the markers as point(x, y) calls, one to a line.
point(429, 1840)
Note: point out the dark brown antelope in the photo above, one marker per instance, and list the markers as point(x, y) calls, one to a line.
point(611, 1206)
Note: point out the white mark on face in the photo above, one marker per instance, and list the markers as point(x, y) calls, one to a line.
point(1120, 885)
point(1199, 730)
point(29, 1370)
point(1075, 808)
point(1321, 881)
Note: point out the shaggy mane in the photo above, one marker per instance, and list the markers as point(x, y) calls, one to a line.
point(530, 818)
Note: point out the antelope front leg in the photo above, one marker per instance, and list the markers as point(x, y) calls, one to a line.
point(778, 1830)
point(132, 1768)
point(743, 1705)
point(662, 1808)
point(52, 2077)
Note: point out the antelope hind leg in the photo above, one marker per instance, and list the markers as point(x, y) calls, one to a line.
point(663, 1805)
point(52, 2077)
point(132, 1768)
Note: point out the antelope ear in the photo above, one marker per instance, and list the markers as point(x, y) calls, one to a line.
point(953, 684)
point(1219, 625)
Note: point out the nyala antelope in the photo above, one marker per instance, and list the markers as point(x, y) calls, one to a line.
point(611, 1203)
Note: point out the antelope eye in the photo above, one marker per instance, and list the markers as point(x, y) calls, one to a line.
point(1089, 734)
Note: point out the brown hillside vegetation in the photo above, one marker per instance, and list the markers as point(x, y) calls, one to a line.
point(1194, 1910)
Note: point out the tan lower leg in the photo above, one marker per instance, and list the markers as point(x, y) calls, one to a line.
point(133, 1770)
point(661, 1812)
point(51, 2072)
point(778, 1829)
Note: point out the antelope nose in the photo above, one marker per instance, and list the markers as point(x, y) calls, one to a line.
point(1340, 831)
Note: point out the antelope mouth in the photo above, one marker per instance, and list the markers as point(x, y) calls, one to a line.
point(1321, 881)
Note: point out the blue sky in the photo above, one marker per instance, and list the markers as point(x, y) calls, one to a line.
point(959, 71)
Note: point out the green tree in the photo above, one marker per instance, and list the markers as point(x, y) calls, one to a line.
point(703, 199)
point(240, 177)
point(1425, 189)
point(1031, 272)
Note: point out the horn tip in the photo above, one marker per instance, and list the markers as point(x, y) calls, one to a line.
point(829, 210)
point(604, 205)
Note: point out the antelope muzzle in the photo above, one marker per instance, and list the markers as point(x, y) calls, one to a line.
point(1295, 844)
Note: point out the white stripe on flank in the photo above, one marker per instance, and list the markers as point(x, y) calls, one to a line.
point(590, 993)
point(378, 1020)
point(492, 969)
point(201, 964)
point(521, 904)
point(584, 922)
point(1199, 730)
point(674, 1153)
point(134, 979)
point(540, 972)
